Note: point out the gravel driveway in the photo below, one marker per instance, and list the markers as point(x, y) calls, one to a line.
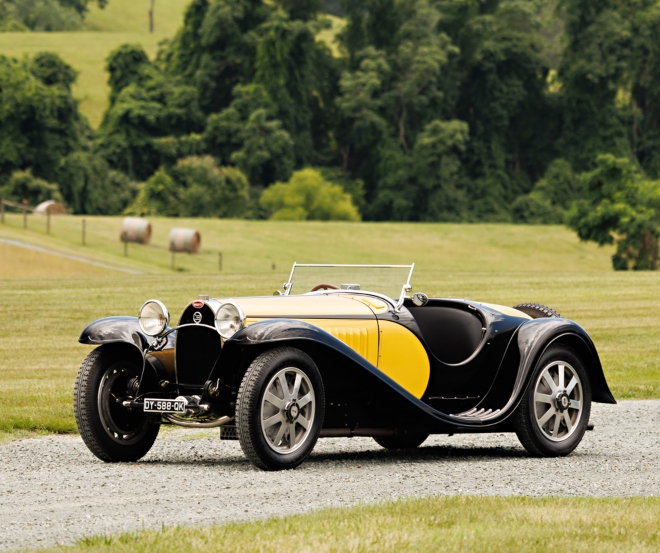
point(52, 490)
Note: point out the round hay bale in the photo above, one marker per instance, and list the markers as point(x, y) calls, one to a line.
point(185, 240)
point(50, 206)
point(135, 229)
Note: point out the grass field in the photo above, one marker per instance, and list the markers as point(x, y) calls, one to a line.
point(439, 524)
point(42, 316)
point(120, 22)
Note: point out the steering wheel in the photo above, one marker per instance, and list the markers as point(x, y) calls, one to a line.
point(325, 287)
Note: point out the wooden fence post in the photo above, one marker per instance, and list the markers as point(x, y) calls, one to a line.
point(47, 222)
point(24, 216)
point(2, 209)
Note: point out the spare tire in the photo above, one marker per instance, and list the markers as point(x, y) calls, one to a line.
point(536, 310)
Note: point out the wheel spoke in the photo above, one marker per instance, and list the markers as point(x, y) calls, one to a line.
point(575, 404)
point(303, 422)
point(285, 386)
point(280, 435)
point(304, 400)
point(568, 422)
point(276, 401)
point(546, 417)
point(292, 434)
point(561, 369)
point(555, 430)
point(571, 385)
point(549, 381)
point(543, 398)
point(272, 420)
point(296, 386)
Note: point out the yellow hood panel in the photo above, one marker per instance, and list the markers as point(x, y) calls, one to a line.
point(300, 307)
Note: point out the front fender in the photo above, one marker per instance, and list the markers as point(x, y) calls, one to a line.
point(119, 329)
point(536, 335)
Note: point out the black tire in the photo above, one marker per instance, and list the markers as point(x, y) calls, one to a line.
point(266, 447)
point(111, 431)
point(410, 440)
point(536, 310)
point(545, 439)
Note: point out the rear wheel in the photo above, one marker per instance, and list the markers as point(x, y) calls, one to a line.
point(280, 408)
point(554, 412)
point(111, 431)
point(401, 441)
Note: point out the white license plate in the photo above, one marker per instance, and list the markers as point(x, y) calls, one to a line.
point(164, 405)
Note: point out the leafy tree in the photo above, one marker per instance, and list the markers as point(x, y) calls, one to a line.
point(215, 49)
point(146, 105)
point(622, 207)
point(194, 187)
point(593, 70)
point(551, 196)
point(307, 196)
point(39, 118)
point(247, 135)
point(22, 185)
point(39, 15)
point(89, 186)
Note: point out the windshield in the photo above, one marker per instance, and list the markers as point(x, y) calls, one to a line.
point(388, 280)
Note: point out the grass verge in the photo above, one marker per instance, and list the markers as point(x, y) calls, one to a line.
point(439, 524)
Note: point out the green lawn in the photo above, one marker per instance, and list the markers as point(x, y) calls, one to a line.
point(42, 316)
point(438, 524)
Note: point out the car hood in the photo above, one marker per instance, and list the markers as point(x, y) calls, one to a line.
point(309, 306)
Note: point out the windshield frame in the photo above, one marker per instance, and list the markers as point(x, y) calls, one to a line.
point(406, 287)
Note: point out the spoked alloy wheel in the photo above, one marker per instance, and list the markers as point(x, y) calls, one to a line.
point(111, 431)
point(287, 410)
point(558, 401)
point(280, 408)
point(554, 411)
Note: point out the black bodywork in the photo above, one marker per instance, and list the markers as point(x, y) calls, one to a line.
point(480, 358)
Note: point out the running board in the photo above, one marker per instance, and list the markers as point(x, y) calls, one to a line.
point(477, 414)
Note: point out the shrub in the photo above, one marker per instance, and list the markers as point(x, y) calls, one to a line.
point(23, 185)
point(308, 196)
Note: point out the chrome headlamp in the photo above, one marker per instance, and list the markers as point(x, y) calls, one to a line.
point(153, 317)
point(229, 320)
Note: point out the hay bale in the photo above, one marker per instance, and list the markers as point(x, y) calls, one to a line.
point(50, 207)
point(185, 240)
point(135, 229)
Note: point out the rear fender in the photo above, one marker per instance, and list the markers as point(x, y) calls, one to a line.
point(537, 335)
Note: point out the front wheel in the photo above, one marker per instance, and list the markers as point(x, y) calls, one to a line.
point(280, 408)
point(111, 431)
point(554, 412)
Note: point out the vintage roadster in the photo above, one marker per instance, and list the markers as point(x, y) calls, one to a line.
point(342, 351)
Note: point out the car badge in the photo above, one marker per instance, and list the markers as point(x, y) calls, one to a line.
point(198, 304)
point(197, 317)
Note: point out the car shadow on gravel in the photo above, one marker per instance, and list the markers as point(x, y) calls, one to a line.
point(421, 454)
point(430, 454)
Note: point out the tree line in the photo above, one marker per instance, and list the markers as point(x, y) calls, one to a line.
point(432, 110)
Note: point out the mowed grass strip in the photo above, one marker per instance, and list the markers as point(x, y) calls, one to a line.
point(17, 261)
point(255, 246)
point(438, 524)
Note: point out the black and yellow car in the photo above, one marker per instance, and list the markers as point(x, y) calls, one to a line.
point(342, 351)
